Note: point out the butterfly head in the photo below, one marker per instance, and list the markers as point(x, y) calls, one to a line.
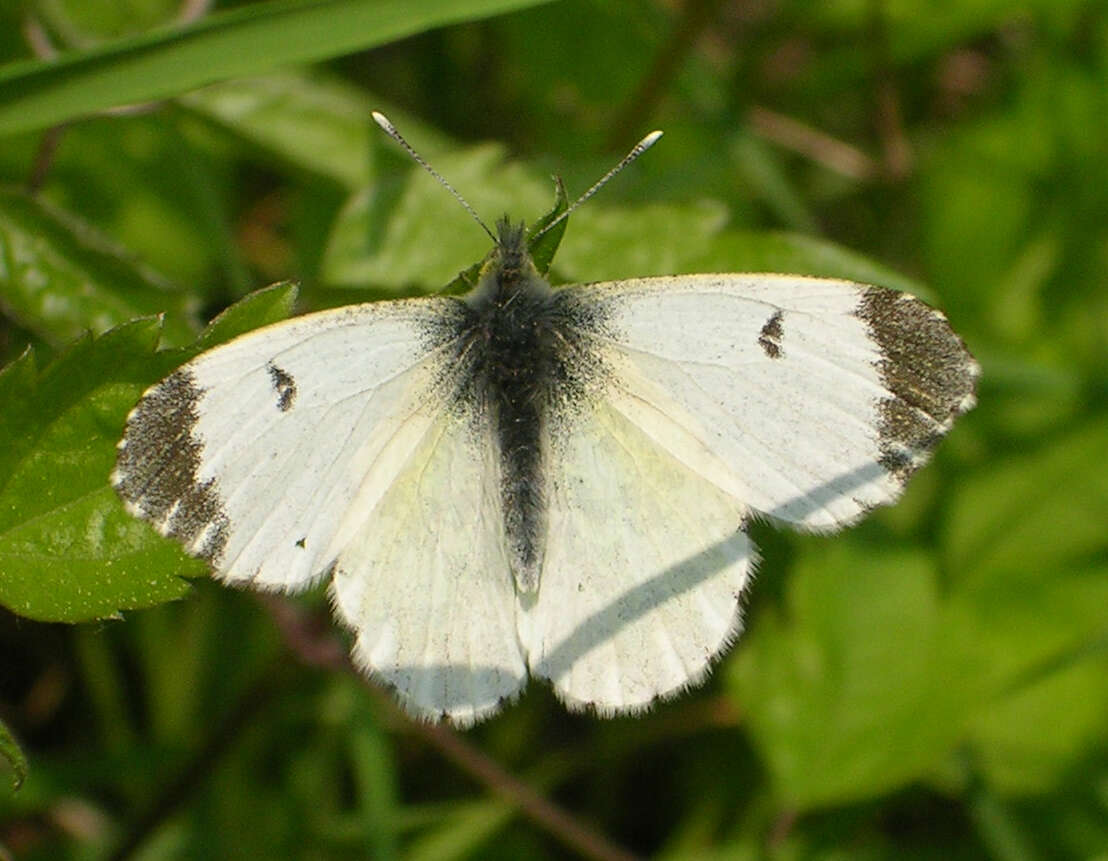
point(510, 255)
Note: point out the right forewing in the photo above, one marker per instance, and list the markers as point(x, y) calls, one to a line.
point(813, 399)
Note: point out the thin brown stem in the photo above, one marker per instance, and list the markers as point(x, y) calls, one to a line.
point(318, 646)
point(635, 114)
point(810, 142)
point(542, 811)
point(44, 157)
point(782, 827)
point(888, 118)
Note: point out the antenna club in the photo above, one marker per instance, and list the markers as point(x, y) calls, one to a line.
point(391, 131)
point(637, 150)
point(383, 122)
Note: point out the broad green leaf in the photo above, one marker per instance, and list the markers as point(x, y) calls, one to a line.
point(427, 238)
point(663, 239)
point(1024, 538)
point(1008, 740)
point(261, 308)
point(1017, 619)
point(605, 243)
point(157, 184)
point(1033, 512)
point(975, 216)
point(244, 41)
point(310, 120)
point(852, 692)
point(11, 751)
point(314, 122)
point(68, 550)
point(79, 22)
point(59, 278)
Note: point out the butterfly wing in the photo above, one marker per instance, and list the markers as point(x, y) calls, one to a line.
point(645, 563)
point(426, 582)
point(808, 400)
point(282, 456)
point(819, 398)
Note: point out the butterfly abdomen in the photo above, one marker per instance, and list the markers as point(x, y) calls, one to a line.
point(513, 363)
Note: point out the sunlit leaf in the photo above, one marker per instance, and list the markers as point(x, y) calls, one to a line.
point(244, 41)
point(68, 550)
point(62, 278)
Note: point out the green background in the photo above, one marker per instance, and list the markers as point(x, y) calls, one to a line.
point(932, 683)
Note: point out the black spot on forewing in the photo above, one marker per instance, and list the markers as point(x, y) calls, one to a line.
point(769, 339)
point(157, 470)
point(284, 385)
point(927, 369)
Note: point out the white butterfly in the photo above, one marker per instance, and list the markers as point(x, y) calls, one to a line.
point(536, 481)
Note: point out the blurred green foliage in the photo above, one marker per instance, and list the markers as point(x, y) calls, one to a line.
point(932, 683)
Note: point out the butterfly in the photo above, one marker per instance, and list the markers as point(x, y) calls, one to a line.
point(534, 481)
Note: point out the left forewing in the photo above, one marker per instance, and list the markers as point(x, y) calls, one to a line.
point(252, 454)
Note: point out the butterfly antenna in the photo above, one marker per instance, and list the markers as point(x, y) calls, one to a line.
point(391, 131)
point(637, 150)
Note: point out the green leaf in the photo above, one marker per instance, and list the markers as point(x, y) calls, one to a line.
point(663, 239)
point(543, 246)
point(261, 308)
point(1011, 749)
point(68, 550)
point(1027, 538)
point(1016, 619)
point(82, 22)
point(849, 694)
point(243, 41)
point(799, 254)
point(996, 516)
point(310, 120)
point(163, 202)
point(62, 278)
point(11, 751)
